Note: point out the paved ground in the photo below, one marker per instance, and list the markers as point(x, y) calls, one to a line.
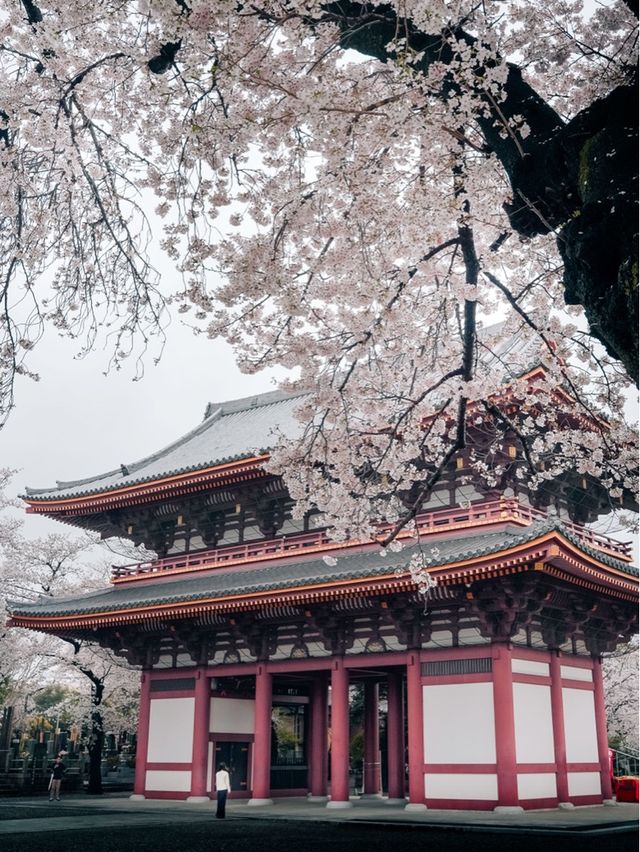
point(113, 823)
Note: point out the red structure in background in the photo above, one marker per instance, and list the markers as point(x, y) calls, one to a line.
point(487, 695)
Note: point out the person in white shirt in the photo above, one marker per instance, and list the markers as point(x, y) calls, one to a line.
point(223, 788)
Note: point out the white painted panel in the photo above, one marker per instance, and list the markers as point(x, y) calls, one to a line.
point(232, 715)
point(165, 780)
point(459, 724)
point(580, 726)
point(530, 667)
point(533, 723)
point(537, 785)
point(575, 673)
point(461, 786)
point(584, 783)
point(171, 730)
point(209, 766)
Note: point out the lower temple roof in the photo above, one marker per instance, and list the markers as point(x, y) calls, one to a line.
point(452, 558)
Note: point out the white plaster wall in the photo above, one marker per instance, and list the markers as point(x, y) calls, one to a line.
point(533, 723)
point(580, 725)
point(584, 783)
point(463, 786)
point(232, 715)
point(171, 730)
point(459, 724)
point(529, 667)
point(165, 780)
point(209, 766)
point(537, 785)
point(576, 673)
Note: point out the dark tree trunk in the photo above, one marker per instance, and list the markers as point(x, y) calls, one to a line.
point(579, 178)
point(96, 742)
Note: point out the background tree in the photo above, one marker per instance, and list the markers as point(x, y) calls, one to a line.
point(363, 222)
point(97, 686)
point(620, 673)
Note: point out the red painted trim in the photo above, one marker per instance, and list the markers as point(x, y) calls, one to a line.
point(601, 729)
point(318, 745)
point(459, 768)
point(339, 732)
point(557, 718)
point(363, 661)
point(577, 684)
point(539, 804)
point(504, 725)
point(232, 670)
point(178, 693)
point(470, 652)
point(532, 654)
point(164, 766)
point(461, 804)
point(587, 800)
point(308, 665)
point(576, 662)
point(584, 767)
point(395, 737)
point(142, 738)
point(415, 729)
point(475, 677)
point(372, 782)
point(262, 741)
point(525, 768)
point(200, 752)
point(537, 680)
point(173, 674)
point(223, 737)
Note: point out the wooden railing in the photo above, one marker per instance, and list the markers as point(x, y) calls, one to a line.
point(474, 516)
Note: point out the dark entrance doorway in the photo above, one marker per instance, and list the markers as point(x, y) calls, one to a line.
point(236, 756)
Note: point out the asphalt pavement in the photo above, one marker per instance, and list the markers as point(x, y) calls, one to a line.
point(115, 823)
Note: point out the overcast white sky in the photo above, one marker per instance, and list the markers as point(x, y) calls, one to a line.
point(76, 422)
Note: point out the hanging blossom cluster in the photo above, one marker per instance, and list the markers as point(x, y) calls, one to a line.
point(340, 190)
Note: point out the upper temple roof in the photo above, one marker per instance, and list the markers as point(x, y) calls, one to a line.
point(230, 430)
point(242, 428)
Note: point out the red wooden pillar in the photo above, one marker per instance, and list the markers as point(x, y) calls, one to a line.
point(371, 781)
point(142, 738)
point(505, 729)
point(261, 775)
point(395, 739)
point(559, 742)
point(601, 730)
point(415, 734)
point(200, 753)
point(339, 736)
point(318, 740)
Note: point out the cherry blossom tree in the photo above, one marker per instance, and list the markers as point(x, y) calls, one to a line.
point(620, 673)
point(103, 686)
point(354, 191)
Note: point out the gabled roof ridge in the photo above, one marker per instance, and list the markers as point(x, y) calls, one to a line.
point(214, 413)
point(248, 403)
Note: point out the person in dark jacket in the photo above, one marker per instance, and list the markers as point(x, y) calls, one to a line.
point(57, 772)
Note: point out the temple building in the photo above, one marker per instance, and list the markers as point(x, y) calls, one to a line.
point(251, 626)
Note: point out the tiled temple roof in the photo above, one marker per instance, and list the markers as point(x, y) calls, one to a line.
point(243, 428)
point(282, 576)
point(230, 431)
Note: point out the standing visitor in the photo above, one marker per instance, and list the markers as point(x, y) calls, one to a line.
point(223, 788)
point(57, 771)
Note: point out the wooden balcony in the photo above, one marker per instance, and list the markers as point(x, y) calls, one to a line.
point(476, 516)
